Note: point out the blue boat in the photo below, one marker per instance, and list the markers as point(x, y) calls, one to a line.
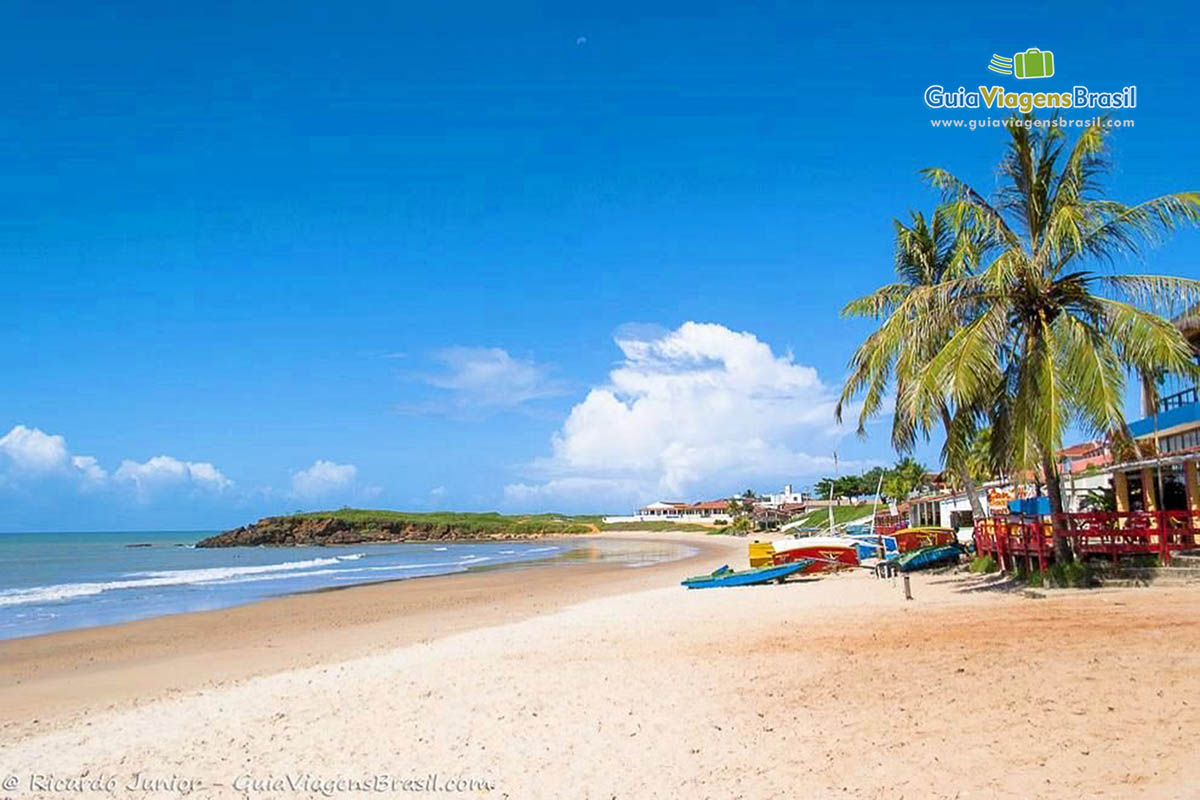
point(866, 541)
point(748, 577)
point(927, 557)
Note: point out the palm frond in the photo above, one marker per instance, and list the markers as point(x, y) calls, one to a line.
point(1146, 342)
point(965, 206)
point(1125, 230)
point(1166, 294)
point(878, 303)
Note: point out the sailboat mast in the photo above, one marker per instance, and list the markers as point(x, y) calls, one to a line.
point(875, 505)
point(831, 483)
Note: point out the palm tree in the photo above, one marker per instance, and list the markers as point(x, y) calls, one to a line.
point(906, 475)
point(928, 253)
point(1043, 340)
point(978, 456)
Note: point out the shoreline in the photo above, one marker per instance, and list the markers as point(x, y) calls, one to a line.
point(48, 679)
point(568, 548)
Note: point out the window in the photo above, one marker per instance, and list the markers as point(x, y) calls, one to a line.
point(1137, 501)
point(1180, 441)
point(1174, 492)
point(961, 519)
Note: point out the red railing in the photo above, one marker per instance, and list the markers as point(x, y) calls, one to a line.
point(887, 524)
point(1111, 534)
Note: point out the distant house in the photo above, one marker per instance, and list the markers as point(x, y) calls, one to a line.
point(766, 517)
point(706, 512)
point(661, 509)
point(1088, 456)
point(785, 497)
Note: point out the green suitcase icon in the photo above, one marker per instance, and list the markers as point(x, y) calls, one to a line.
point(1033, 63)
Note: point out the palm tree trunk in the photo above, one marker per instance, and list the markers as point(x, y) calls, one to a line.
point(972, 491)
point(964, 475)
point(1062, 547)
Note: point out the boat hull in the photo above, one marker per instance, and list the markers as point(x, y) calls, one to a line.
point(928, 557)
point(867, 546)
point(824, 557)
point(910, 539)
point(761, 554)
point(749, 577)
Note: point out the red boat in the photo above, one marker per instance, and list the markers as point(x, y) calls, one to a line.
point(909, 539)
point(828, 553)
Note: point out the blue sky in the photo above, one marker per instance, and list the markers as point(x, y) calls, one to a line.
point(416, 255)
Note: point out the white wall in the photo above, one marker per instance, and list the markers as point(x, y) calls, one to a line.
point(687, 518)
point(1074, 490)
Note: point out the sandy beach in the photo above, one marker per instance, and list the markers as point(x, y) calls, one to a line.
point(602, 682)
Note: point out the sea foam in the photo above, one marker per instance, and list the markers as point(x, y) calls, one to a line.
point(175, 577)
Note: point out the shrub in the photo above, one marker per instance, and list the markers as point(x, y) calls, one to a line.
point(983, 564)
point(741, 525)
point(1028, 577)
point(1079, 575)
point(1070, 575)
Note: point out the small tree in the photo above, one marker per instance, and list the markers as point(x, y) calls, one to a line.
point(906, 476)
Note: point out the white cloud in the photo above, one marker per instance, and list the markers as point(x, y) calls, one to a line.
point(609, 493)
point(32, 450)
point(32, 453)
point(162, 473)
point(322, 479)
point(699, 409)
point(488, 377)
point(90, 469)
point(30, 457)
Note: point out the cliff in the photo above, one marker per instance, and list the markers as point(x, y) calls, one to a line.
point(355, 526)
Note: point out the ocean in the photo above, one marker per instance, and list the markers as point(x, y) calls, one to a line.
point(60, 581)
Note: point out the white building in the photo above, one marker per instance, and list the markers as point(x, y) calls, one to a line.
point(784, 498)
point(954, 509)
point(709, 512)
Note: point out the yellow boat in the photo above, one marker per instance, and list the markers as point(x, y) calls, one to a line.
point(761, 554)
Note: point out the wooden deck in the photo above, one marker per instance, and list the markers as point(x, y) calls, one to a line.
point(1013, 538)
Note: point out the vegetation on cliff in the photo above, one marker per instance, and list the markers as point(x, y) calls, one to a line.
point(356, 525)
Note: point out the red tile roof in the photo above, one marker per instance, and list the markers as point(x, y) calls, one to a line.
point(1081, 449)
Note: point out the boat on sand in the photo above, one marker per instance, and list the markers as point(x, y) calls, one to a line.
point(909, 539)
point(827, 553)
point(927, 557)
point(725, 576)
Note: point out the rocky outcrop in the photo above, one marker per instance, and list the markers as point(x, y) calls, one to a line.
point(316, 530)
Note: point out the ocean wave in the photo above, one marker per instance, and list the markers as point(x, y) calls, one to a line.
point(340, 568)
point(216, 573)
point(346, 571)
point(178, 577)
